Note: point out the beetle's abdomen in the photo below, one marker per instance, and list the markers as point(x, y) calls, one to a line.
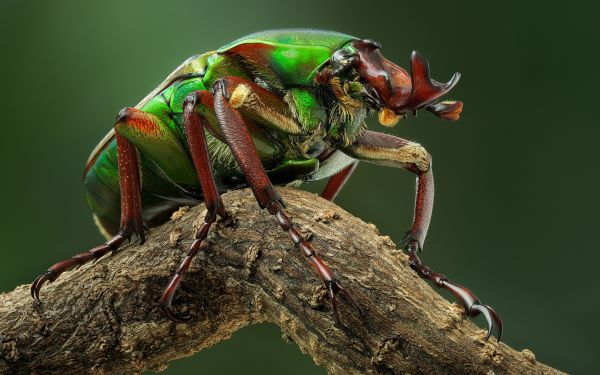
point(159, 195)
point(167, 173)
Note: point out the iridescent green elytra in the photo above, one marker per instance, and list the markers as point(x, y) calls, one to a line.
point(282, 61)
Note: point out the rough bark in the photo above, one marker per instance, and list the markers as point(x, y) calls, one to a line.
point(104, 318)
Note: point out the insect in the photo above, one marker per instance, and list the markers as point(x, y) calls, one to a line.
point(270, 108)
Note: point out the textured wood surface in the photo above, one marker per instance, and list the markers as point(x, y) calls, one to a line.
point(104, 318)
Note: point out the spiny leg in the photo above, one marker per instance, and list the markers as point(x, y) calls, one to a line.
point(235, 130)
point(194, 126)
point(390, 150)
point(271, 109)
point(337, 182)
point(131, 216)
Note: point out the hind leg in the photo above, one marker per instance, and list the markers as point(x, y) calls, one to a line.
point(131, 216)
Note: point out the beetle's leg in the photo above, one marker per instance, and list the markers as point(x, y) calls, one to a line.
point(235, 130)
point(254, 102)
point(131, 216)
point(390, 150)
point(337, 182)
point(194, 126)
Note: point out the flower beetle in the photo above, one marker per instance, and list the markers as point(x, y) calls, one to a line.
point(270, 108)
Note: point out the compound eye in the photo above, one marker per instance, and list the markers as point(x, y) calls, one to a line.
point(342, 60)
point(342, 56)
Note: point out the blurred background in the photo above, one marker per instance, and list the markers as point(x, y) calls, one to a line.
point(517, 177)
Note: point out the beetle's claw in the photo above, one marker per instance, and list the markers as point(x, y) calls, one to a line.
point(471, 304)
point(492, 318)
point(469, 301)
point(466, 298)
point(334, 288)
point(166, 301)
point(409, 243)
point(39, 281)
point(168, 310)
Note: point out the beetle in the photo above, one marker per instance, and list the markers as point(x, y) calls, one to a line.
point(270, 108)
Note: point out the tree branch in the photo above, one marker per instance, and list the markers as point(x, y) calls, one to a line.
point(105, 319)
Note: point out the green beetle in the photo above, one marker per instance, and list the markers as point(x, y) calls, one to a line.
point(273, 107)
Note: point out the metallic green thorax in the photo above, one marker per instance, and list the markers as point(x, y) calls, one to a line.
point(284, 59)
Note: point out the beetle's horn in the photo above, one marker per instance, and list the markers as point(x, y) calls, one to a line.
point(424, 89)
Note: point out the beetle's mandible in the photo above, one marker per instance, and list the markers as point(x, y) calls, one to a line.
point(270, 108)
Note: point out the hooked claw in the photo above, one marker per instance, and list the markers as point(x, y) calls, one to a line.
point(492, 318)
point(334, 287)
point(472, 305)
point(168, 310)
point(39, 281)
point(409, 243)
point(468, 300)
point(167, 299)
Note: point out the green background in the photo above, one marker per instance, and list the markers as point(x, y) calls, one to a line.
point(517, 178)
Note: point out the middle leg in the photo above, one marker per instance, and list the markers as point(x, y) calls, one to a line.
point(131, 215)
point(194, 128)
point(235, 129)
point(337, 182)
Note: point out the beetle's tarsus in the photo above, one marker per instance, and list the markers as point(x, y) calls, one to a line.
point(473, 307)
point(194, 128)
point(467, 299)
point(74, 263)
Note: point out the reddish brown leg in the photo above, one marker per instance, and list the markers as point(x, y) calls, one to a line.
point(414, 158)
point(470, 302)
point(131, 217)
point(337, 182)
point(235, 130)
point(194, 126)
point(413, 244)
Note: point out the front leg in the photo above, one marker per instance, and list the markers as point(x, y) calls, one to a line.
point(385, 149)
point(391, 151)
point(235, 129)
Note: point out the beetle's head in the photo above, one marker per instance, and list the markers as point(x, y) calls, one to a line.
point(389, 88)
